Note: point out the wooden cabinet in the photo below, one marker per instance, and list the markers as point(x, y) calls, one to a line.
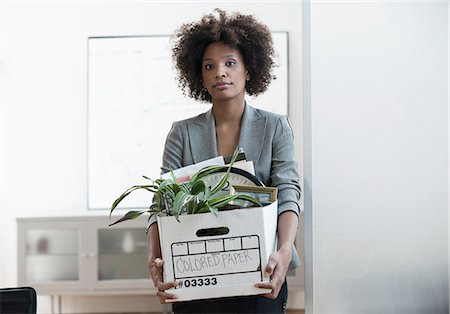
point(82, 255)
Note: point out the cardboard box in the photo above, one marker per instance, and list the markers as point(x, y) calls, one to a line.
point(218, 256)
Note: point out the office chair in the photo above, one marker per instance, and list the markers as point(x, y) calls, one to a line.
point(17, 300)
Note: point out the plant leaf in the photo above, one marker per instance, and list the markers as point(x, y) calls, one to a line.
point(185, 187)
point(150, 188)
point(203, 172)
point(174, 178)
point(223, 181)
point(179, 205)
point(165, 182)
point(200, 207)
point(133, 214)
point(225, 199)
point(243, 197)
point(198, 187)
point(213, 210)
point(221, 200)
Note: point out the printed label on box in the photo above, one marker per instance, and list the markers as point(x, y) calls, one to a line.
point(211, 262)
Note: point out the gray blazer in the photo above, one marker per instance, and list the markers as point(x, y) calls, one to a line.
point(267, 140)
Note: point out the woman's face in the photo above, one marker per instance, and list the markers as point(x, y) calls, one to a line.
point(224, 73)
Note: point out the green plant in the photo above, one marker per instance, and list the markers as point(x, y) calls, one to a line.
point(173, 198)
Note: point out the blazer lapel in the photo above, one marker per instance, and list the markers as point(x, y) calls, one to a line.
point(253, 130)
point(202, 137)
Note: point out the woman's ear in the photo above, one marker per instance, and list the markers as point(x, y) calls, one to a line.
point(247, 76)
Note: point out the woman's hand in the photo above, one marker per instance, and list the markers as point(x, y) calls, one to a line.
point(155, 266)
point(156, 272)
point(276, 270)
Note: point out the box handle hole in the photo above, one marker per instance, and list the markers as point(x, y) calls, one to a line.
point(212, 231)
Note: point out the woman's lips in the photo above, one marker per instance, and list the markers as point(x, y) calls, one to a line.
point(222, 85)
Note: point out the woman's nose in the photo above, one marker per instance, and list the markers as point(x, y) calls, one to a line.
point(221, 72)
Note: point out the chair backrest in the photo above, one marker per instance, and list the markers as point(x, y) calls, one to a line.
point(20, 300)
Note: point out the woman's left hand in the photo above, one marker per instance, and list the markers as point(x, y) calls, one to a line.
point(276, 270)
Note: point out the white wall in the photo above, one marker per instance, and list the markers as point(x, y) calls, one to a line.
point(44, 91)
point(376, 159)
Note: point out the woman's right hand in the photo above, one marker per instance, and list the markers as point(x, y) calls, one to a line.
point(156, 272)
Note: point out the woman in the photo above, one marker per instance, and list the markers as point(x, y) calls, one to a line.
point(219, 59)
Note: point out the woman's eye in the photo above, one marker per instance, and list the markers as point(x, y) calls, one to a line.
point(208, 66)
point(230, 63)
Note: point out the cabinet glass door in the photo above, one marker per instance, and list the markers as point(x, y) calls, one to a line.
point(122, 254)
point(52, 255)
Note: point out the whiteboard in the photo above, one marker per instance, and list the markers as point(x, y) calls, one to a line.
point(133, 98)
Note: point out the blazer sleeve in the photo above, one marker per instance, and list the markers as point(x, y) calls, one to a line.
point(173, 149)
point(284, 168)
